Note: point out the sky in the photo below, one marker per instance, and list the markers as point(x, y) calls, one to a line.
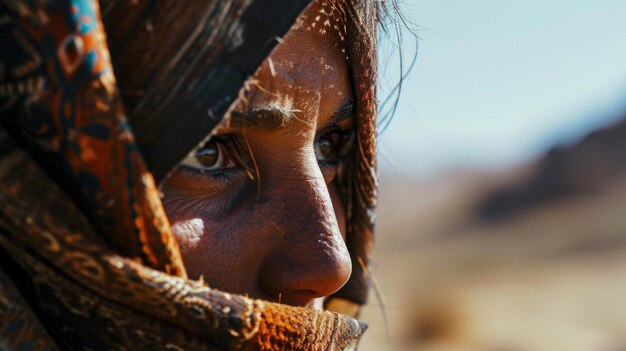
point(498, 82)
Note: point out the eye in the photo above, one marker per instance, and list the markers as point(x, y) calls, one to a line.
point(333, 145)
point(326, 147)
point(212, 156)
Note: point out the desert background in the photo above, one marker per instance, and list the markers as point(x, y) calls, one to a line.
point(533, 258)
point(502, 210)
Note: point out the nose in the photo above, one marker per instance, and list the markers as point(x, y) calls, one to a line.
point(310, 258)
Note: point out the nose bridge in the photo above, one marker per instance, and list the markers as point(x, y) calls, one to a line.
point(310, 258)
point(303, 192)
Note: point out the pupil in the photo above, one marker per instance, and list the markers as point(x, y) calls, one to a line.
point(325, 147)
point(208, 156)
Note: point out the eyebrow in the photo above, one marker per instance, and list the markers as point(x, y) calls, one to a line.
point(274, 119)
point(343, 112)
point(271, 119)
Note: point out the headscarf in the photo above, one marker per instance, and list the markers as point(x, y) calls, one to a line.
point(87, 257)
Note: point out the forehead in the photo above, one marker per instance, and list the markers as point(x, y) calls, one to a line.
point(327, 18)
point(308, 72)
point(317, 37)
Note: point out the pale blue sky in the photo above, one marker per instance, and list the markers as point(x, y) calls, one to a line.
point(497, 82)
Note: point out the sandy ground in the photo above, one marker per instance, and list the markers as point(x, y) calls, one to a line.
point(551, 278)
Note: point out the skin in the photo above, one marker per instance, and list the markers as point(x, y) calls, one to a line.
point(265, 219)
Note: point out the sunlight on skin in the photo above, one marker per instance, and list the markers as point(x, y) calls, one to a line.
point(256, 209)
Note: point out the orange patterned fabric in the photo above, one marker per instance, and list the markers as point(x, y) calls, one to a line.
point(87, 257)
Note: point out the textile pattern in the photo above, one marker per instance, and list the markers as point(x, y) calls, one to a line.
point(87, 257)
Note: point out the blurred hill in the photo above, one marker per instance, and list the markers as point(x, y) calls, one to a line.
point(594, 162)
point(529, 259)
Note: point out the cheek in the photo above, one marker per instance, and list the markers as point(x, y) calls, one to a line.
point(217, 250)
point(200, 224)
point(188, 232)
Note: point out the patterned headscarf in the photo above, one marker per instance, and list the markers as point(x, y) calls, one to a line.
point(87, 256)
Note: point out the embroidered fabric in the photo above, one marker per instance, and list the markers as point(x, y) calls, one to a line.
point(87, 257)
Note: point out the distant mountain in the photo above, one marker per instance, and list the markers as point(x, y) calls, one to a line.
point(564, 171)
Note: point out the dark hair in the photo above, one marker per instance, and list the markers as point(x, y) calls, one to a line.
point(392, 26)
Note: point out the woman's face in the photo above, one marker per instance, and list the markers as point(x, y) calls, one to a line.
point(256, 209)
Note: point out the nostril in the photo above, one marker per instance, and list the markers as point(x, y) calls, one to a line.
point(298, 297)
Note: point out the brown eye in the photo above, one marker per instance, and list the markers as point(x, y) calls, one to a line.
point(214, 155)
point(327, 147)
point(210, 155)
